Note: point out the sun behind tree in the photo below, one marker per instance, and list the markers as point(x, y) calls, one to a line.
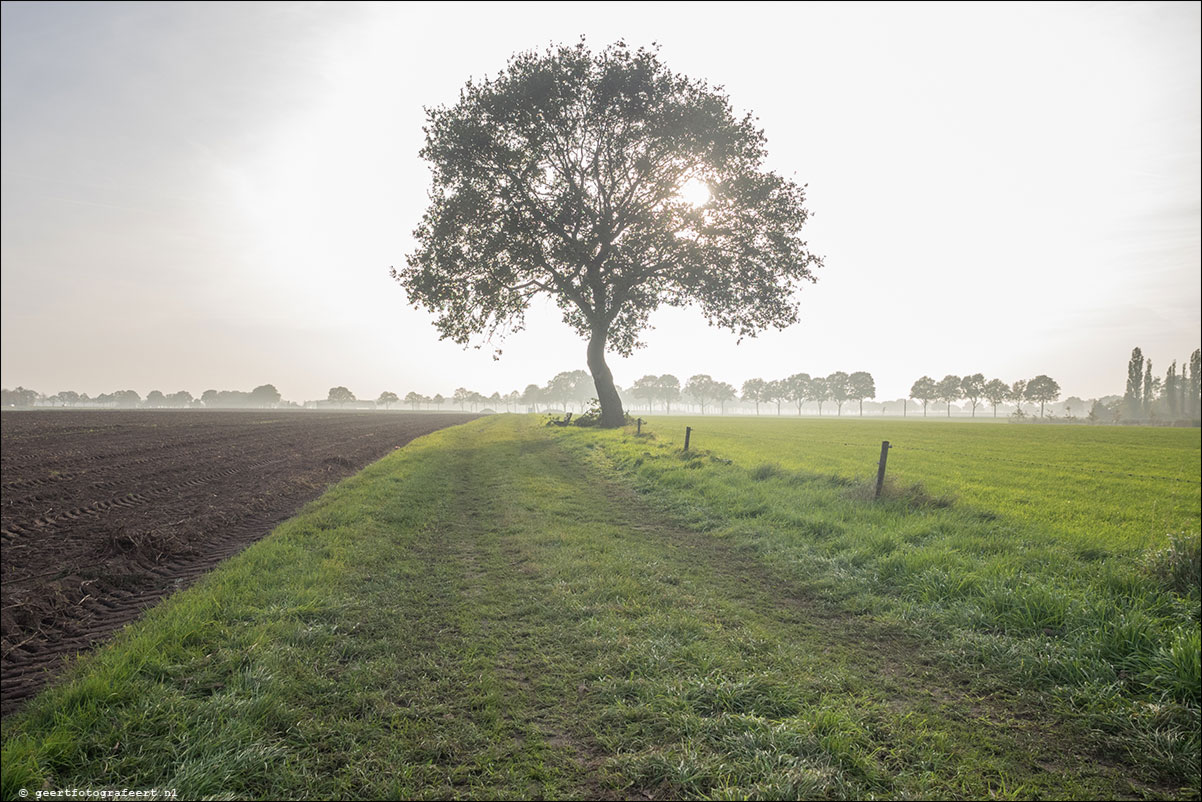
point(613, 185)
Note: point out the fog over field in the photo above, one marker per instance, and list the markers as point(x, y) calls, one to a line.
point(211, 195)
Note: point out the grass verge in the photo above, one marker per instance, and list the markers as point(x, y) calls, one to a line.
point(1108, 639)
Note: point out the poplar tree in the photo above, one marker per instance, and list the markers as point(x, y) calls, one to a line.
point(1135, 377)
point(1171, 391)
point(1149, 388)
point(1193, 399)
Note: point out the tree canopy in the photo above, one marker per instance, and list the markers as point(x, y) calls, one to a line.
point(702, 389)
point(837, 384)
point(949, 389)
point(996, 391)
point(926, 390)
point(340, 395)
point(567, 175)
point(1043, 389)
point(972, 387)
point(860, 386)
point(265, 395)
point(753, 390)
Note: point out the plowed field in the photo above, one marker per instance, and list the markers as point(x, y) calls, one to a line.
point(105, 512)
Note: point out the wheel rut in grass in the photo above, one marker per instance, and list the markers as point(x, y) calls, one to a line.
point(497, 633)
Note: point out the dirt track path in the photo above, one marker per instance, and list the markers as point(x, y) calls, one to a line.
point(627, 644)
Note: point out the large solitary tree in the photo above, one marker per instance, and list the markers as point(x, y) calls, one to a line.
point(613, 185)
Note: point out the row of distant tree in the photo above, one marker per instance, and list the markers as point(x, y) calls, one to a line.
point(566, 390)
point(1147, 397)
point(702, 392)
point(1176, 396)
point(838, 389)
point(975, 389)
point(263, 396)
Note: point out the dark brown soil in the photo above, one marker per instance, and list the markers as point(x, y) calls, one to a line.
point(104, 513)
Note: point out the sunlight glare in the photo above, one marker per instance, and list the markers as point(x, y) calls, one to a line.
point(696, 193)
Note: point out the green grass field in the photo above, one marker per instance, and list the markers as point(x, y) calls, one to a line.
point(508, 610)
point(1119, 488)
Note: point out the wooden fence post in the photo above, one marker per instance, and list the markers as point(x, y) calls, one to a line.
point(639, 423)
point(687, 431)
point(880, 473)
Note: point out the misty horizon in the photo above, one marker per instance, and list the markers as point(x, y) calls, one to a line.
point(875, 402)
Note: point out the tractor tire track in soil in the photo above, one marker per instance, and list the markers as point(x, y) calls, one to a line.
point(104, 513)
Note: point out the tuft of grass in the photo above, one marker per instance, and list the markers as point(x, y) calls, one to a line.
point(1179, 564)
point(914, 495)
point(765, 470)
point(1177, 667)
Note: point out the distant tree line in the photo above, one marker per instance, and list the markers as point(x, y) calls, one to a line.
point(1147, 398)
point(1178, 396)
point(21, 397)
point(975, 389)
point(263, 396)
point(802, 388)
point(566, 390)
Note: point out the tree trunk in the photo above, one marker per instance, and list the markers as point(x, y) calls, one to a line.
point(612, 415)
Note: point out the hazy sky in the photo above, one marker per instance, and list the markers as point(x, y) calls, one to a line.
point(210, 195)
